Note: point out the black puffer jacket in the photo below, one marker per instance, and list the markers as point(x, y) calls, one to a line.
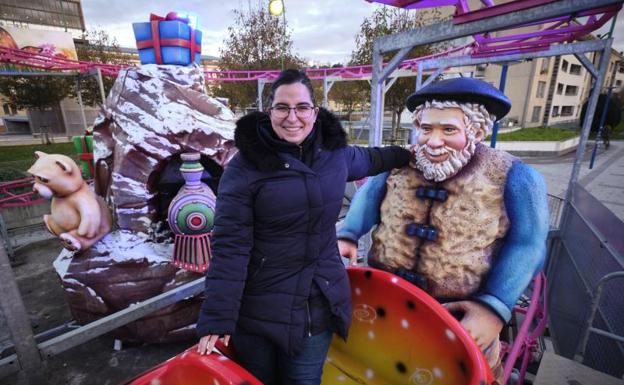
point(275, 232)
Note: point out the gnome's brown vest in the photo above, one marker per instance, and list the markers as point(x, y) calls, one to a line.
point(470, 225)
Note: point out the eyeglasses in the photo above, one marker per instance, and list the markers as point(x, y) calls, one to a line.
point(302, 111)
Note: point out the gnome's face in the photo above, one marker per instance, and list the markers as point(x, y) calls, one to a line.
point(445, 143)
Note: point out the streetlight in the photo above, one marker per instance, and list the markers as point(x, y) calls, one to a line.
point(277, 8)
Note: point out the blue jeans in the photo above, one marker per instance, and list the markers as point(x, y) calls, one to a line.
point(272, 366)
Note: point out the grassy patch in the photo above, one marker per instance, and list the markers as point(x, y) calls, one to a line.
point(538, 134)
point(618, 132)
point(15, 160)
point(8, 153)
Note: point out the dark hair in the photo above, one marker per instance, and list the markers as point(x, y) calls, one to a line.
point(291, 76)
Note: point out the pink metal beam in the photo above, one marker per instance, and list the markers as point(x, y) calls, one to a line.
point(497, 10)
point(560, 30)
point(555, 30)
point(55, 64)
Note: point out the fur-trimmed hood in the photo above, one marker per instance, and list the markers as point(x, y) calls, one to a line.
point(255, 150)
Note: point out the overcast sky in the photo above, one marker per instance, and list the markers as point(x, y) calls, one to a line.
point(323, 31)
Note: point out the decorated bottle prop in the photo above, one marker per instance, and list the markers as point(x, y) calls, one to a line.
point(191, 217)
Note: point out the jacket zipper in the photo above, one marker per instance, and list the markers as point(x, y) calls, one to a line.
point(259, 268)
point(309, 318)
point(300, 153)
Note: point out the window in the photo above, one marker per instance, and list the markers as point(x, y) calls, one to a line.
point(618, 83)
point(541, 86)
point(564, 65)
point(559, 88)
point(7, 110)
point(567, 110)
point(571, 90)
point(575, 69)
point(537, 111)
point(555, 111)
point(545, 63)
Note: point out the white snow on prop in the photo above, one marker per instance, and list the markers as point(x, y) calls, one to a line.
point(153, 113)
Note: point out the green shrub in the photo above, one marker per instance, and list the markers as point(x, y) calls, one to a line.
point(9, 174)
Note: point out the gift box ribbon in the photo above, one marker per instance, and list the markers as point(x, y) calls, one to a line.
point(86, 155)
point(157, 42)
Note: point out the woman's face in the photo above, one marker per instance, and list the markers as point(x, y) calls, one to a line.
point(299, 121)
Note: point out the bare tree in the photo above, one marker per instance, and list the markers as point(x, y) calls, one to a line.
point(255, 42)
point(38, 93)
point(99, 47)
point(350, 95)
point(384, 21)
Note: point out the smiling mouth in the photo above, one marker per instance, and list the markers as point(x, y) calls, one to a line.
point(437, 158)
point(435, 155)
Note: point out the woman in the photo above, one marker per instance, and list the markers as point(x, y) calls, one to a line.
point(276, 280)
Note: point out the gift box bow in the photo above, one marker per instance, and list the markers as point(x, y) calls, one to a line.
point(156, 42)
point(171, 16)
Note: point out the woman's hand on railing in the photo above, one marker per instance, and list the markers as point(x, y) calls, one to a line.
point(207, 343)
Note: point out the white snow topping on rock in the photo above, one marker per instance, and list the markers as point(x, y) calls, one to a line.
point(125, 245)
point(130, 187)
point(101, 151)
point(61, 263)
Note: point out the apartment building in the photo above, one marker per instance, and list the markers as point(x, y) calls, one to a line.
point(549, 91)
point(527, 86)
point(615, 72)
point(568, 80)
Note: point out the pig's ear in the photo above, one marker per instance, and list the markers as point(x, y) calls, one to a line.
point(64, 166)
point(39, 154)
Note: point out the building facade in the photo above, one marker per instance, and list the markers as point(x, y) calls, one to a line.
point(547, 92)
point(63, 15)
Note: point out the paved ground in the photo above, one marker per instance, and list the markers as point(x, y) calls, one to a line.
point(93, 363)
point(605, 181)
point(97, 363)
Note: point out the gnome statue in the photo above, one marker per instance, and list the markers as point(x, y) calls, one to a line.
point(465, 222)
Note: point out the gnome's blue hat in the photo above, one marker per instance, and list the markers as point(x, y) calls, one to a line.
point(463, 90)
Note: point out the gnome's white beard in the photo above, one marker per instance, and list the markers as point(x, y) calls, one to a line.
point(441, 171)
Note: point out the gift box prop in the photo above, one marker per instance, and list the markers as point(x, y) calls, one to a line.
point(191, 217)
point(84, 147)
point(168, 40)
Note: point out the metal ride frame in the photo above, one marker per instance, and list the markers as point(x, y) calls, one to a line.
point(30, 355)
point(404, 42)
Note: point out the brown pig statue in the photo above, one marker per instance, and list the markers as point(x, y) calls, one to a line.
point(78, 217)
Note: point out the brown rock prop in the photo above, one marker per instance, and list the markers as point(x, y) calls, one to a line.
point(153, 114)
point(78, 217)
point(120, 271)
